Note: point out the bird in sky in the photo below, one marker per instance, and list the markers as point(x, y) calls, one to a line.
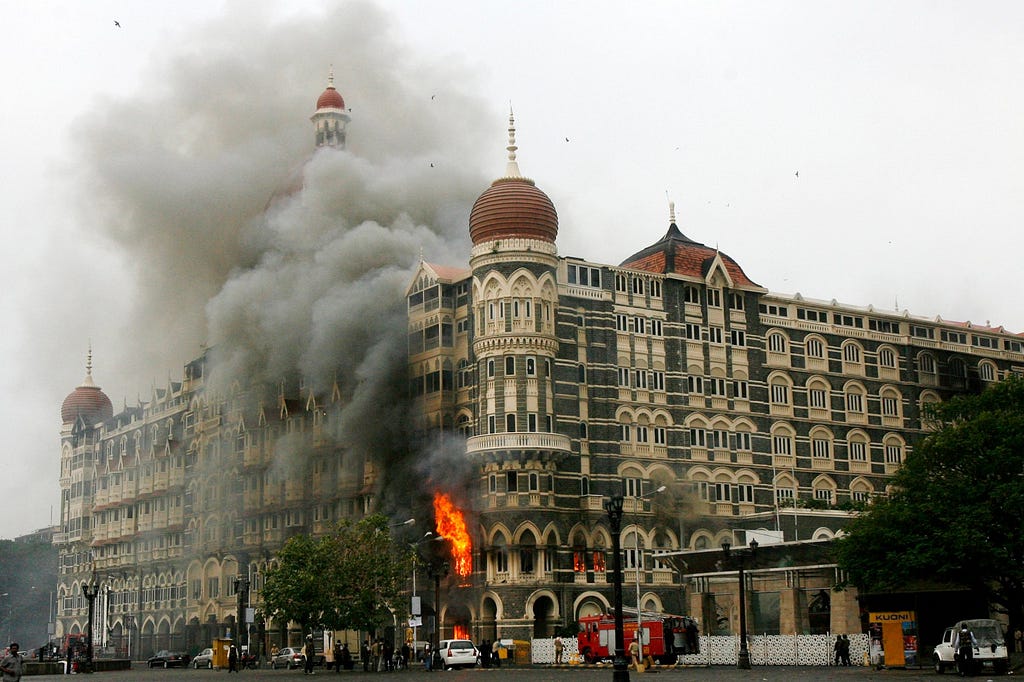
point(431, 165)
point(433, 96)
point(798, 174)
point(567, 139)
point(117, 23)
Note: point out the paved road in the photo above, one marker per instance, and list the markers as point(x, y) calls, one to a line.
point(526, 674)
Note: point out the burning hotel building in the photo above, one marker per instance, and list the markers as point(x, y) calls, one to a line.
point(714, 406)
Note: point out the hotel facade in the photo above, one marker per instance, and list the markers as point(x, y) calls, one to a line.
point(720, 412)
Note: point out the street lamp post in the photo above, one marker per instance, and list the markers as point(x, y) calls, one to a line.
point(129, 623)
point(437, 569)
point(620, 666)
point(89, 591)
point(242, 593)
point(743, 658)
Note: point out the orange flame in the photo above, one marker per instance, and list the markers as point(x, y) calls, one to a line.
point(461, 632)
point(451, 525)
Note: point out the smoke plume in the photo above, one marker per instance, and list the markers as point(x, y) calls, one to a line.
point(288, 262)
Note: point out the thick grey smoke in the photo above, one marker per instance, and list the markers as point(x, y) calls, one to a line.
point(289, 263)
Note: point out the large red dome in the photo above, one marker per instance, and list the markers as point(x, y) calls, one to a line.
point(86, 401)
point(330, 99)
point(513, 207)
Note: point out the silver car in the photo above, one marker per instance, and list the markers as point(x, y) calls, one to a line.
point(288, 657)
point(204, 659)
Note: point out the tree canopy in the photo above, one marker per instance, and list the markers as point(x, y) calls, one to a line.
point(955, 513)
point(351, 578)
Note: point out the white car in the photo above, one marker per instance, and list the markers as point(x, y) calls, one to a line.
point(457, 653)
point(989, 654)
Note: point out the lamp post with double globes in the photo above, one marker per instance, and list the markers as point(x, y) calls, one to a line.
point(613, 506)
point(90, 590)
point(743, 658)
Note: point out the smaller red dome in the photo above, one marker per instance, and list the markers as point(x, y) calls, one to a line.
point(330, 99)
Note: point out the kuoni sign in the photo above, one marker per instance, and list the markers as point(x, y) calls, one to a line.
point(898, 636)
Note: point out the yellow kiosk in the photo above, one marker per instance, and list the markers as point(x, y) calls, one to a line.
point(221, 647)
point(898, 637)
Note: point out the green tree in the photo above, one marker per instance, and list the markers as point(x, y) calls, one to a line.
point(295, 588)
point(352, 578)
point(955, 514)
point(370, 574)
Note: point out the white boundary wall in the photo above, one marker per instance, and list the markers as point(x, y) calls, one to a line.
point(765, 650)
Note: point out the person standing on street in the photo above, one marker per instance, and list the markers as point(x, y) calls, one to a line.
point(559, 648)
point(310, 653)
point(964, 644)
point(232, 659)
point(12, 666)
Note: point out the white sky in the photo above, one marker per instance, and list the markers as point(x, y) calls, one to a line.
point(902, 119)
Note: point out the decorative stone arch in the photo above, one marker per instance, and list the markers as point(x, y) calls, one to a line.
point(818, 381)
point(776, 341)
point(551, 535)
point(723, 536)
point(988, 371)
point(927, 398)
point(499, 531)
point(809, 345)
point(786, 481)
point(927, 363)
point(651, 601)
point(590, 603)
point(883, 351)
point(822, 533)
point(862, 485)
point(493, 286)
point(888, 390)
point(824, 482)
point(702, 539)
point(147, 637)
point(695, 421)
point(491, 611)
point(537, 595)
point(746, 476)
point(894, 440)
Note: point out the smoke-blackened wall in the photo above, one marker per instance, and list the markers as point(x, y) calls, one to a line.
point(287, 263)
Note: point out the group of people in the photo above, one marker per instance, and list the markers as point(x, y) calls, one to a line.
point(490, 653)
point(380, 655)
point(841, 650)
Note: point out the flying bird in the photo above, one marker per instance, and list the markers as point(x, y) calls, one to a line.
point(117, 23)
point(433, 96)
point(798, 174)
point(431, 165)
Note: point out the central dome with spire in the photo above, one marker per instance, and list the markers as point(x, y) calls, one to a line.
point(513, 207)
point(87, 401)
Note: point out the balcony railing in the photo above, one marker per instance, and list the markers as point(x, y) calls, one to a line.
point(552, 442)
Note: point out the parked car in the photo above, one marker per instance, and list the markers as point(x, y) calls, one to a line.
point(288, 657)
point(457, 653)
point(168, 659)
point(989, 654)
point(204, 659)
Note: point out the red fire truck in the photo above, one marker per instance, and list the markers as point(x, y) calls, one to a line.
point(665, 636)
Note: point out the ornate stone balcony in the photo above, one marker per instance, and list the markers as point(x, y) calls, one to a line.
point(520, 445)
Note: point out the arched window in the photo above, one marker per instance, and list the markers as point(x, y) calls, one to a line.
point(777, 342)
